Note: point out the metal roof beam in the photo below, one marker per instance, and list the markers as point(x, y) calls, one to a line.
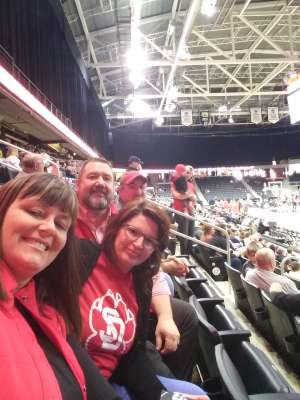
point(90, 44)
point(262, 35)
point(190, 63)
point(257, 42)
point(271, 76)
point(125, 26)
point(195, 95)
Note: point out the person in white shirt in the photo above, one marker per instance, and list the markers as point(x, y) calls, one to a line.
point(263, 274)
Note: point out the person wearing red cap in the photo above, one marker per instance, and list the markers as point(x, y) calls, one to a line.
point(182, 197)
point(132, 186)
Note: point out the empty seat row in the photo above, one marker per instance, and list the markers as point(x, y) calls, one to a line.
point(221, 341)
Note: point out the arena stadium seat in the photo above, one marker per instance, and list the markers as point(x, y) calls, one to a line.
point(183, 289)
point(240, 295)
point(209, 335)
point(260, 315)
point(246, 373)
point(286, 328)
point(214, 265)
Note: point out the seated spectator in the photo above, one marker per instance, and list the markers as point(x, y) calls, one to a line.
point(134, 164)
point(207, 234)
point(288, 302)
point(279, 254)
point(32, 163)
point(263, 274)
point(12, 157)
point(294, 269)
point(219, 240)
point(39, 308)
point(116, 296)
point(251, 250)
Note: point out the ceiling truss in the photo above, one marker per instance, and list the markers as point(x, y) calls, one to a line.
point(239, 58)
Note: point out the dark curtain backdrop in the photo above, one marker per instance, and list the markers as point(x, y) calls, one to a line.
point(252, 145)
point(36, 34)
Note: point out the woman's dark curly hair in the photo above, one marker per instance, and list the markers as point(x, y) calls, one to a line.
point(149, 267)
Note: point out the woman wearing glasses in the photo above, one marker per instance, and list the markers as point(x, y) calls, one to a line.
point(116, 295)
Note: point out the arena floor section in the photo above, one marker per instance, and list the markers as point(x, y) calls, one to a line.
point(283, 217)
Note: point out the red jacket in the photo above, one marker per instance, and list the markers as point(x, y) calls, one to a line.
point(83, 228)
point(25, 372)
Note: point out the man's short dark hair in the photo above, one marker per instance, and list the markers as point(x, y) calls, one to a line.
point(135, 159)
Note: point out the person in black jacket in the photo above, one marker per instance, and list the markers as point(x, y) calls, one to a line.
point(287, 302)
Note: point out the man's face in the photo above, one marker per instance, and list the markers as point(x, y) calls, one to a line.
point(95, 187)
point(135, 166)
point(135, 190)
point(188, 174)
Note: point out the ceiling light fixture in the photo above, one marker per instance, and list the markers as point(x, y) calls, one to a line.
point(208, 7)
point(139, 108)
point(159, 121)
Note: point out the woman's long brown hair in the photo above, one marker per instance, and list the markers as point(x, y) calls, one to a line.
point(59, 283)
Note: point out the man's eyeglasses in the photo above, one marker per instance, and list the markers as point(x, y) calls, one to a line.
point(133, 234)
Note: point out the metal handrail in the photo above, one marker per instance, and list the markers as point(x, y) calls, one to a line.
point(194, 240)
point(18, 74)
point(28, 152)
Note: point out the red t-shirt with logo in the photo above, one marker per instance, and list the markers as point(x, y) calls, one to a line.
point(109, 308)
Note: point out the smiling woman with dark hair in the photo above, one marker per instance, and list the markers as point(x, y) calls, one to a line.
point(39, 294)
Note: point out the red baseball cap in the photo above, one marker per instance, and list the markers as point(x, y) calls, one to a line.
point(130, 176)
point(180, 168)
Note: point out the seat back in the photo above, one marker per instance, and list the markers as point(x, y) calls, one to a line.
point(230, 376)
point(260, 315)
point(209, 336)
point(182, 289)
point(285, 333)
point(245, 371)
point(207, 339)
point(240, 295)
point(222, 319)
point(214, 265)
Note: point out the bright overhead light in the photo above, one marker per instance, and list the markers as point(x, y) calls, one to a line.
point(136, 57)
point(231, 120)
point(208, 7)
point(159, 121)
point(139, 108)
point(136, 60)
point(136, 77)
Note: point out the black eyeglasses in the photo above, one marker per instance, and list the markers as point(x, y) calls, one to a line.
point(133, 234)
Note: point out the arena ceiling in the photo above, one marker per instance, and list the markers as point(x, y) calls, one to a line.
point(224, 64)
